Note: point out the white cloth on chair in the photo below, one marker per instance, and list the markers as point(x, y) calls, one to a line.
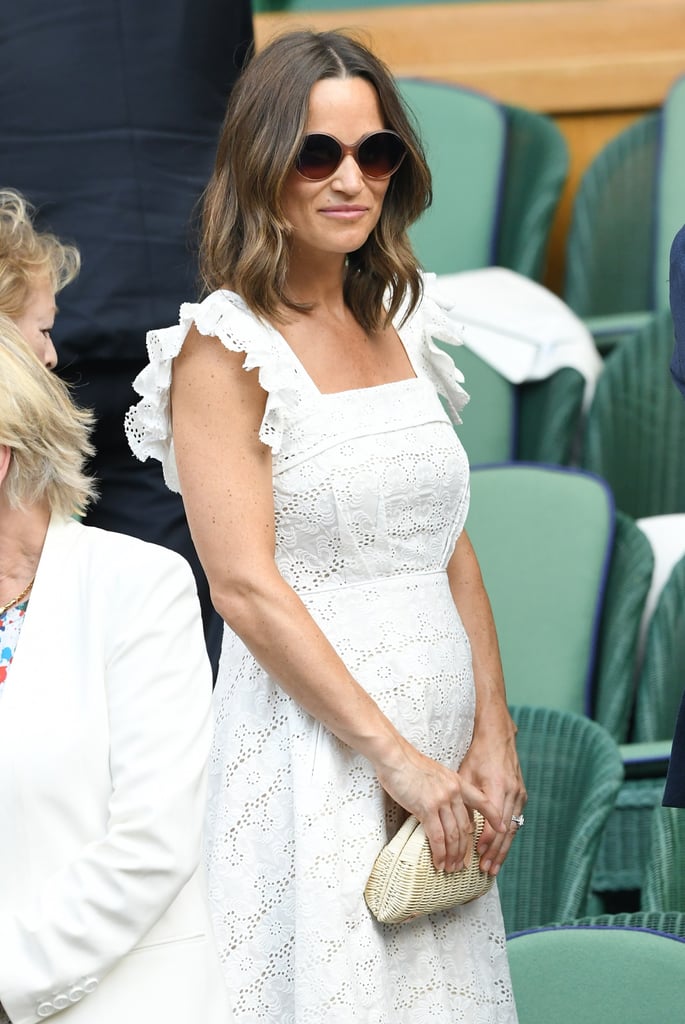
point(517, 326)
point(666, 534)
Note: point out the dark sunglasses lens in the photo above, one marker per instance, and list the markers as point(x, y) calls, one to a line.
point(319, 157)
point(381, 154)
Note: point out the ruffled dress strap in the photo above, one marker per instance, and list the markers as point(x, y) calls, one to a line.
point(429, 322)
point(223, 315)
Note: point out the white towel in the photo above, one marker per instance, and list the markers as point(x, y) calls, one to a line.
point(517, 326)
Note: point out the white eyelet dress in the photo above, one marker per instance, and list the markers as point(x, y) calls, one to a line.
point(371, 492)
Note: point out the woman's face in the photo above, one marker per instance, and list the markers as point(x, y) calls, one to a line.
point(37, 320)
point(338, 214)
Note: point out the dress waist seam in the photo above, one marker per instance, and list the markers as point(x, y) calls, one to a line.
point(374, 582)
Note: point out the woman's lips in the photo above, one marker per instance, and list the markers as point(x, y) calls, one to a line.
point(344, 212)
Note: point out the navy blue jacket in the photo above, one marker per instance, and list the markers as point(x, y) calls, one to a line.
point(675, 783)
point(677, 282)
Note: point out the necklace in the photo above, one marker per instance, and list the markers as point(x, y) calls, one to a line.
point(18, 599)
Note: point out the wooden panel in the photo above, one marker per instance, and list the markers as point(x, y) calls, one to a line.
point(558, 56)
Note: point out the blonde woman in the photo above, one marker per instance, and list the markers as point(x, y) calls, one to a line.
point(34, 267)
point(104, 734)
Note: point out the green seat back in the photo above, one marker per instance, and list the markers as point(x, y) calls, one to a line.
point(583, 975)
point(635, 430)
point(488, 430)
point(535, 421)
point(464, 135)
point(573, 770)
point(628, 583)
point(662, 675)
point(536, 170)
point(610, 244)
point(663, 887)
point(549, 417)
point(671, 187)
point(543, 538)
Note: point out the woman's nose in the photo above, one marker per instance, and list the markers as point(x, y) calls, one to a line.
point(349, 176)
point(50, 354)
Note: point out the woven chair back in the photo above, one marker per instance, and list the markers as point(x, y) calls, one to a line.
point(573, 771)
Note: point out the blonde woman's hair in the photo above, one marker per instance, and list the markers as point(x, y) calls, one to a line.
point(48, 435)
point(27, 254)
point(245, 233)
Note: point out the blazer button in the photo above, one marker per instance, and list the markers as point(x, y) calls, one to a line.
point(61, 1001)
point(76, 993)
point(45, 1009)
point(90, 984)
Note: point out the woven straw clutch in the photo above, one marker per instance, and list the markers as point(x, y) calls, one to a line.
point(404, 883)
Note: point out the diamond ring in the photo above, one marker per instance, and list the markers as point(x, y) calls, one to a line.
point(518, 820)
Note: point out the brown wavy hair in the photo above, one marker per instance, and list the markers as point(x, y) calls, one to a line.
point(245, 234)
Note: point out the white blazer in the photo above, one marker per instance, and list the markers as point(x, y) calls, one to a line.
point(104, 739)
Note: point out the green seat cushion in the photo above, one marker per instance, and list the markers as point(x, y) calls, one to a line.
point(585, 975)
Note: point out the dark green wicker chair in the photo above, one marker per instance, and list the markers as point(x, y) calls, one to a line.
point(627, 210)
point(635, 428)
point(625, 851)
point(609, 250)
point(663, 888)
point(549, 418)
point(628, 582)
point(532, 422)
point(583, 975)
point(670, 922)
point(536, 171)
point(573, 771)
point(662, 676)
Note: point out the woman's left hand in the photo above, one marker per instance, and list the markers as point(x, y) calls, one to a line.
point(492, 764)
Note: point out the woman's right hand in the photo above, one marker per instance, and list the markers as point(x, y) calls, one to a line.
point(440, 799)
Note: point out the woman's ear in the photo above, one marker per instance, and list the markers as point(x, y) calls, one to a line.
point(5, 456)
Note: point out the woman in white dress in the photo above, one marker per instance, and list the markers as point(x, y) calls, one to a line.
point(327, 491)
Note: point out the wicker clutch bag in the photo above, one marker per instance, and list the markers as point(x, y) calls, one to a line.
point(404, 883)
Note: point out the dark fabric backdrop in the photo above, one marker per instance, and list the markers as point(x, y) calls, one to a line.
point(109, 116)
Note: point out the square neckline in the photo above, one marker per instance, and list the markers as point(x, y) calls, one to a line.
point(300, 367)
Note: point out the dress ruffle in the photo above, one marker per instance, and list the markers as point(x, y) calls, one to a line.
point(433, 323)
point(224, 315)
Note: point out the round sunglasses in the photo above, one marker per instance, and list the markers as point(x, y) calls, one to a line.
point(378, 155)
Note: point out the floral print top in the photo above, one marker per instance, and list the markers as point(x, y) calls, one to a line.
point(11, 622)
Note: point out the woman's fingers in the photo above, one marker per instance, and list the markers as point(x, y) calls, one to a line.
point(442, 801)
point(495, 847)
point(450, 831)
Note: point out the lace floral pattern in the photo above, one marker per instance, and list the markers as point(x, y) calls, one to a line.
point(371, 493)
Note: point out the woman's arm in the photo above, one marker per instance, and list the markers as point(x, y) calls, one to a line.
point(227, 486)
point(491, 763)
